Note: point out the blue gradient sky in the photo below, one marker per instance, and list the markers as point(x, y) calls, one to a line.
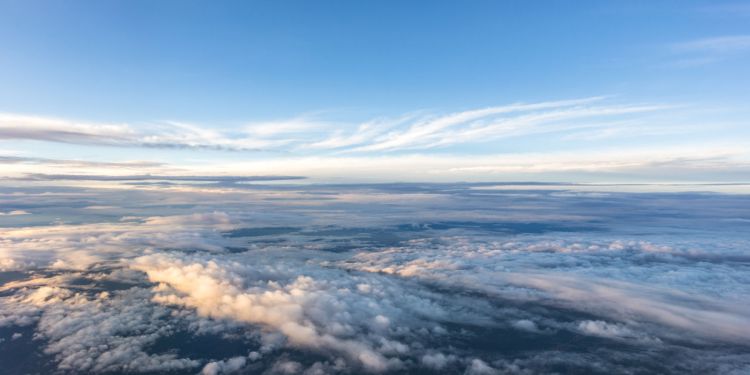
point(672, 77)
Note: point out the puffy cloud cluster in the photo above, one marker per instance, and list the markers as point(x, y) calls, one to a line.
point(614, 331)
point(81, 246)
point(638, 283)
point(99, 332)
point(265, 287)
point(224, 367)
point(363, 320)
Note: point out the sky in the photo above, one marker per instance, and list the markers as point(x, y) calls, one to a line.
point(590, 91)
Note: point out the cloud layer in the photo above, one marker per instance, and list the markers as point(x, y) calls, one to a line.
point(485, 279)
point(408, 132)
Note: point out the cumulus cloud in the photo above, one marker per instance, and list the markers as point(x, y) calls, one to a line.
point(224, 367)
point(327, 311)
point(428, 277)
point(437, 361)
point(592, 277)
point(70, 246)
point(525, 325)
point(98, 333)
point(479, 367)
point(616, 331)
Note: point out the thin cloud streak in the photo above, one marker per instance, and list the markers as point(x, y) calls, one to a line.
point(10, 159)
point(706, 51)
point(430, 128)
point(309, 136)
point(725, 162)
point(722, 44)
point(217, 178)
point(161, 135)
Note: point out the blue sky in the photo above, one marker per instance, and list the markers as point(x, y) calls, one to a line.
point(667, 79)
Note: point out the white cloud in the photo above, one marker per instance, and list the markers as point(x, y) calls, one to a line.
point(614, 331)
point(437, 361)
point(99, 333)
point(520, 271)
point(465, 127)
point(709, 50)
point(413, 305)
point(479, 367)
point(727, 162)
point(416, 130)
point(721, 44)
point(70, 246)
point(228, 366)
point(471, 145)
point(167, 134)
point(326, 313)
point(15, 213)
point(525, 325)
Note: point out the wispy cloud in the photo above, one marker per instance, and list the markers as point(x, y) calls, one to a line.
point(688, 162)
point(457, 128)
point(705, 51)
point(14, 213)
point(214, 178)
point(12, 159)
point(411, 131)
point(722, 44)
point(168, 134)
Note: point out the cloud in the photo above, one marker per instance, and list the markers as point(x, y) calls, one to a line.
point(14, 126)
point(70, 246)
point(688, 163)
point(325, 311)
point(437, 361)
point(722, 44)
point(15, 213)
point(526, 325)
point(411, 131)
point(415, 146)
point(298, 126)
point(466, 127)
point(286, 367)
point(709, 50)
point(726, 163)
point(217, 178)
point(160, 135)
point(479, 367)
point(430, 277)
point(597, 281)
point(614, 331)
point(81, 163)
point(224, 367)
point(99, 333)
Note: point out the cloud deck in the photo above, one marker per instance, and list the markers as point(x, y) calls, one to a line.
point(391, 278)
